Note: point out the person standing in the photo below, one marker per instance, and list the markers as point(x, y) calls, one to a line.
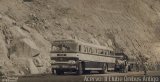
point(145, 64)
point(137, 66)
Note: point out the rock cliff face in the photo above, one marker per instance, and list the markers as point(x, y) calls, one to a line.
point(27, 28)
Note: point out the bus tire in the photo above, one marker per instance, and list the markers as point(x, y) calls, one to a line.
point(52, 71)
point(86, 71)
point(105, 69)
point(129, 68)
point(59, 72)
point(80, 69)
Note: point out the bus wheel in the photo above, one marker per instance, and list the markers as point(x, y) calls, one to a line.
point(59, 72)
point(129, 68)
point(104, 69)
point(87, 72)
point(79, 71)
point(52, 71)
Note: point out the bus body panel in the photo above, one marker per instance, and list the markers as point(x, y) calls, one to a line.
point(90, 62)
point(85, 57)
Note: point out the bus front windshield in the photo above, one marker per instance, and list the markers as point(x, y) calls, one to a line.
point(64, 47)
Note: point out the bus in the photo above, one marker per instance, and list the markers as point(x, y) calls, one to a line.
point(125, 63)
point(80, 57)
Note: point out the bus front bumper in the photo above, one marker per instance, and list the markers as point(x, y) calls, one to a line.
point(64, 66)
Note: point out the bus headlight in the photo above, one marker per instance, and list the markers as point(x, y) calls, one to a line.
point(72, 62)
point(53, 61)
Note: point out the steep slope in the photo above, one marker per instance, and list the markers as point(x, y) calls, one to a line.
point(27, 28)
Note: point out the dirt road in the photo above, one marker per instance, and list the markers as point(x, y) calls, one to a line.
point(83, 78)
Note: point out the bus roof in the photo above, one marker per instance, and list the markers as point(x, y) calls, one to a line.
point(85, 43)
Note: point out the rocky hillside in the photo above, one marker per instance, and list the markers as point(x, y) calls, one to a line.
point(27, 28)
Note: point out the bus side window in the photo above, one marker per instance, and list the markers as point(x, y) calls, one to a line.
point(102, 52)
point(105, 52)
point(93, 50)
point(110, 52)
point(79, 48)
point(96, 51)
point(90, 50)
point(85, 49)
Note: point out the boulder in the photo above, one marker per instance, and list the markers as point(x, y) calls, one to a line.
point(26, 48)
point(1, 71)
point(25, 66)
point(32, 68)
point(3, 49)
point(0, 17)
point(37, 62)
